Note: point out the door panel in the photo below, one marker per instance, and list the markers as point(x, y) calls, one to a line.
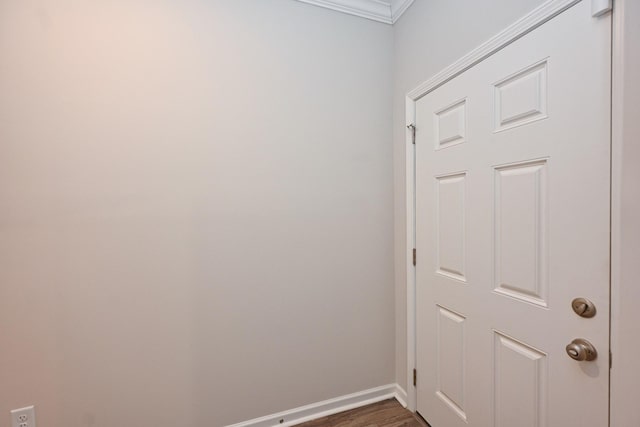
point(451, 226)
point(512, 223)
point(450, 384)
point(520, 227)
point(520, 375)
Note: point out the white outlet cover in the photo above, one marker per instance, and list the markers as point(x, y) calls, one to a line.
point(24, 417)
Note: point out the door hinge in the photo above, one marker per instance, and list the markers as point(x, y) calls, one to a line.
point(414, 256)
point(412, 129)
point(415, 377)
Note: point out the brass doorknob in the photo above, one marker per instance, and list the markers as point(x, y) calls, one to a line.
point(581, 350)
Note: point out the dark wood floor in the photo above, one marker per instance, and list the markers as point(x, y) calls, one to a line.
point(388, 413)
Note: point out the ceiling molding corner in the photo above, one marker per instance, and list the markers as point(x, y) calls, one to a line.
point(386, 11)
point(398, 7)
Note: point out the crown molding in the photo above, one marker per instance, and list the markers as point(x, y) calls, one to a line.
point(398, 7)
point(386, 11)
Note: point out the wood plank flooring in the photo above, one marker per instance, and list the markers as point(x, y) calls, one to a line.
point(388, 413)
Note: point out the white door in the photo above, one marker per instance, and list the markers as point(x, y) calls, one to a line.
point(512, 224)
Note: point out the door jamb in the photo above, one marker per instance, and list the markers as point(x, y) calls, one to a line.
point(625, 215)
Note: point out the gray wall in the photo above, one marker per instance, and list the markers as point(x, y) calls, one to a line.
point(429, 36)
point(196, 209)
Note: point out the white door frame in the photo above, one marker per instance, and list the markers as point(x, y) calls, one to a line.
point(622, 322)
point(625, 215)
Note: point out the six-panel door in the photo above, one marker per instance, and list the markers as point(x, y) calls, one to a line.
point(512, 223)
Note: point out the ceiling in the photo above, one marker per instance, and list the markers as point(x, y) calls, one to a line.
point(387, 11)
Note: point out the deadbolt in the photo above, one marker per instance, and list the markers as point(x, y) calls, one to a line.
point(583, 307)
point(582, 350)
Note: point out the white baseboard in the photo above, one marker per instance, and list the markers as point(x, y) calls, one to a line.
point(328, 407)
point(401, 395)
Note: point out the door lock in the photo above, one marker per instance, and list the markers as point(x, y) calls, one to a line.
point(582, 350)
point(583, 307)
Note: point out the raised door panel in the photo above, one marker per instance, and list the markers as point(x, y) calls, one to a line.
point(521, 232)
point(521, 98)
point(520, 387)
point(451, 125)
point(450, 226)
point(450, 369)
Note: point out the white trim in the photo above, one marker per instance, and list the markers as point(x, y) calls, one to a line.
point(328, 407)
point(400, 395)
point(410, 183)
point(370, 9)
point(398, 7)
point(524, 25)
point(625, 216)
point(512, 33)
point(387, 11)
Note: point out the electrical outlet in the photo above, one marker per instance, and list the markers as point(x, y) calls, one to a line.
point(24, 417)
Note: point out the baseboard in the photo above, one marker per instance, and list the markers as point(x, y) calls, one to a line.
point(328, 407)
point(401, 395)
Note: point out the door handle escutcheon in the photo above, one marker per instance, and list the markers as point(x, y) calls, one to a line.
point(581, 350)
